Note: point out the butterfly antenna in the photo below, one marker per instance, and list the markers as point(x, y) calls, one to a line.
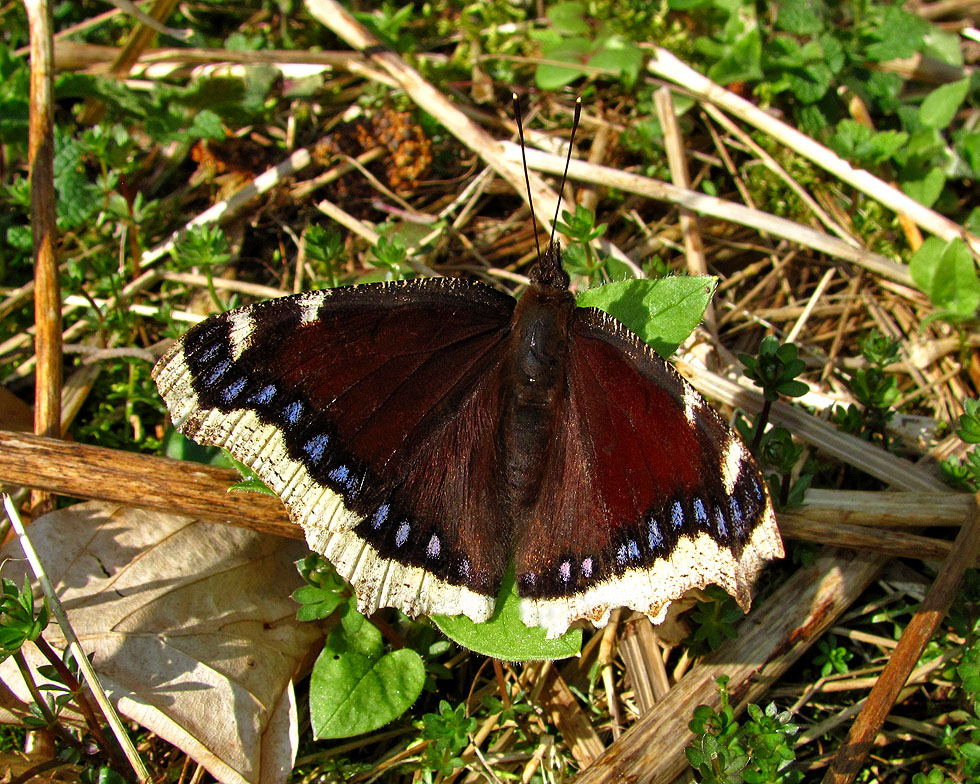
point(568, 160)
point(527, 179)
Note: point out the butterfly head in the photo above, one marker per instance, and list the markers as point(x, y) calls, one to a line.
point(548, 272)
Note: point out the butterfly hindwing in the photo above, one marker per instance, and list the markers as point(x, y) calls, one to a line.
point(343, 402)
point(654, 494)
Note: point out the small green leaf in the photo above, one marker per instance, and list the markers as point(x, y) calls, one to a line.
point(356, 687)
point(898, 34)
point(252, 484)
point(940, 106)
point(568, 18)
point(575, 51)
point(317, 603)
point(618, 54)
point(505, 636)
point(800, 17)
point(927, 188)
point(945, 272)
point(662, 312)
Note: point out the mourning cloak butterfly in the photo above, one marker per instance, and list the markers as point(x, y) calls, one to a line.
point(429, 435)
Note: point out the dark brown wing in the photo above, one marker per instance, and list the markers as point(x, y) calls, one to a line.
point(370, 411)
point(648, 492)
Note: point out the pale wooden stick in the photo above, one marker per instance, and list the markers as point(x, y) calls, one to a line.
point(697, 264)
point(44, 228)
point(852, 754)
point(886, 509)
point(667, 66)
point(716, 208)
point(810, 305)
point(58, 611)
point(770, 639)
point(847, 448)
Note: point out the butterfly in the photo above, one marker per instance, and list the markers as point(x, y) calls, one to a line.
point(429, 435)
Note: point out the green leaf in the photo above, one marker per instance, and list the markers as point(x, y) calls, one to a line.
point(620, 55)
point(926, 189)
point(574, 51)
point(946, 273)
point(356, 687)
point(317, 603)
point(743, 63)
point(940, 106)
point(505, 636)
point(899, 34)
point(943, 46)
point(968, 146)
point(206, 125)
point(970, 751)
point(568, 18)
point(800, 17)
point(662, 312)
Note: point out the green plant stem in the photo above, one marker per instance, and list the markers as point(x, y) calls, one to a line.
point(32, 687)
point(761, 427)
point(784, 488)
point(85, 707)
point(213, 292)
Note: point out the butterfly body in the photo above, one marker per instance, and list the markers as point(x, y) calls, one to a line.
point(433, 434)
point(533, 387)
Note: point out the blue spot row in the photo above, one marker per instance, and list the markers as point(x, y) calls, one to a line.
point(233, 390)
point(316, 447)
point(209, 353)
point(628, 553)
point(379, 517)
point(342, 475)
point(263, 396)
point(222, 368)
point(293, 412)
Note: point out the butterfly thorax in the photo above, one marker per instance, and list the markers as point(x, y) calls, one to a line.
point(534, 379)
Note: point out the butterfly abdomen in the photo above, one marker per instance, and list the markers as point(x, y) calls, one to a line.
point(534, 380)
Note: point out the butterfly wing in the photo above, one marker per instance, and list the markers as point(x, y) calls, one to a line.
point(648, 491)
point(369, 410)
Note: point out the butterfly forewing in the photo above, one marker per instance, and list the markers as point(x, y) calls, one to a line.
point(369, 411)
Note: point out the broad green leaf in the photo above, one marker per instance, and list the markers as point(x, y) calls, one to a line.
point(356, 687)
point(899, 34)
point(743, 63)
point(926, 189)
point(568, 18)
point(947, 275)
point(618, 54)
point(800, 17)
point(505, 636)
point(662, 312)
point(574, 51)
point(943, 46)
point(940, 106)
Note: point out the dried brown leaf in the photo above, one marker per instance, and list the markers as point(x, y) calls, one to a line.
point(192, 628)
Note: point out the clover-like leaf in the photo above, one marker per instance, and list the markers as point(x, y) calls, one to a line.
point(356, 687)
